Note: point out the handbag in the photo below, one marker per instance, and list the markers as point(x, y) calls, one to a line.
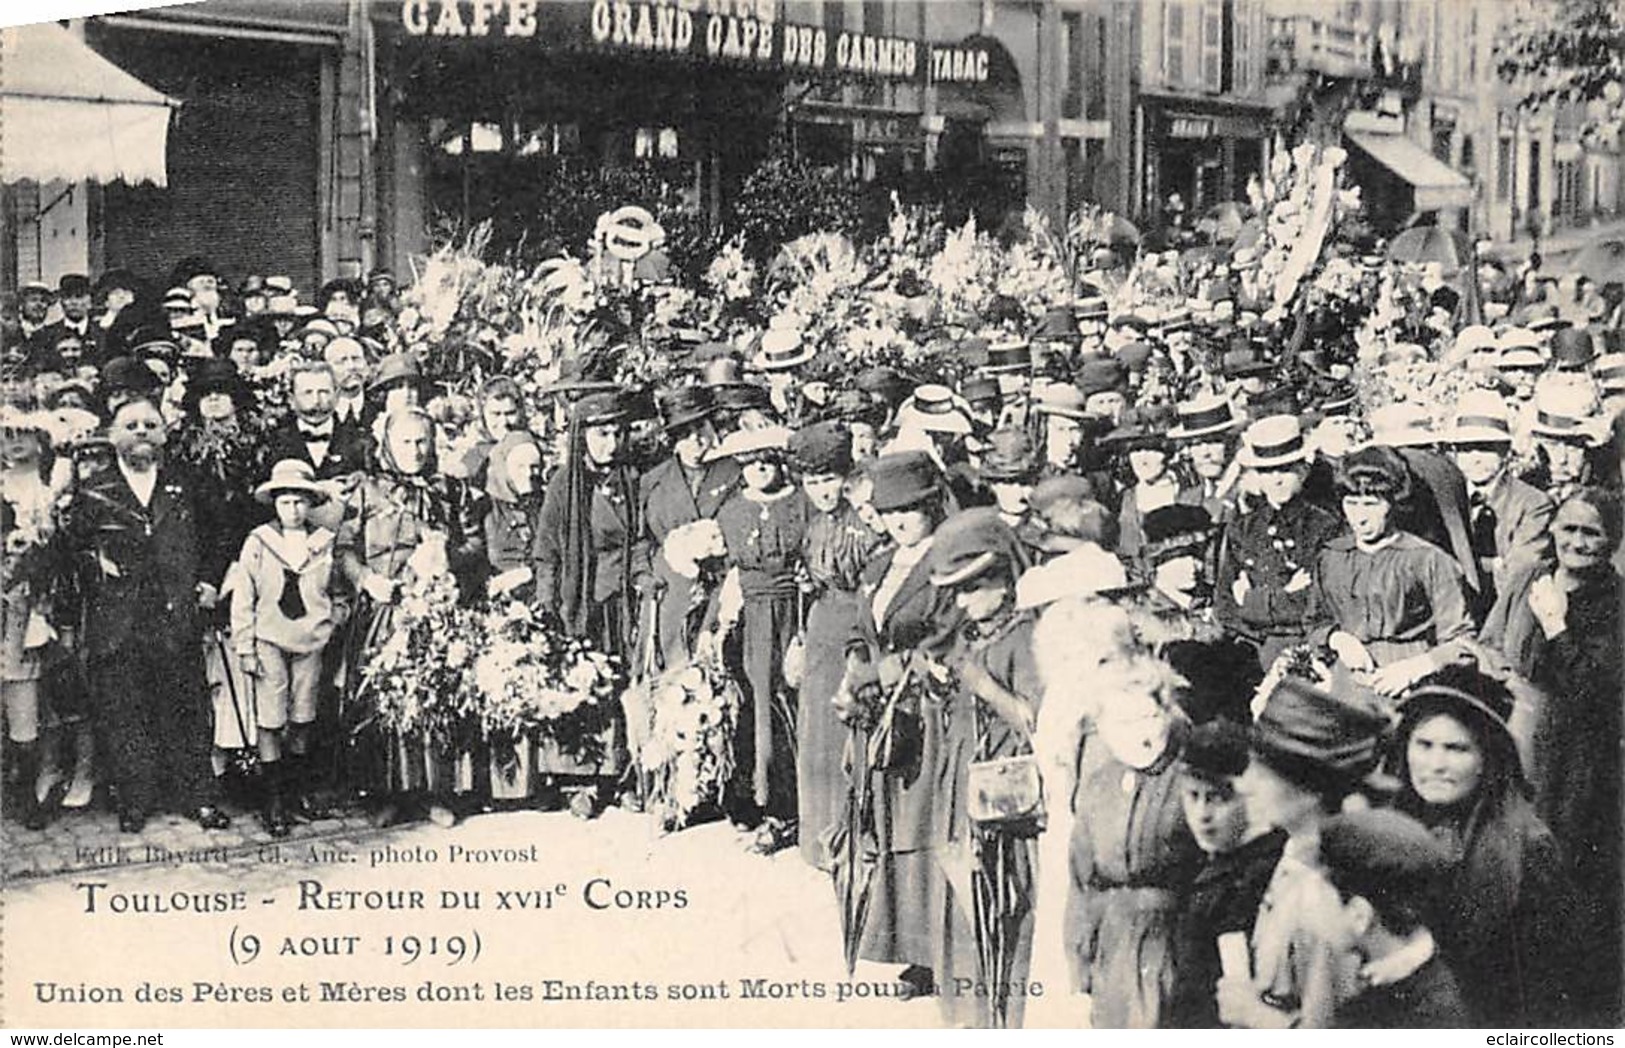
point(1007, 792)
point(898, 738)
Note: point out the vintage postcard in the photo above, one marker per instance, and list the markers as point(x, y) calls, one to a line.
point(800, 513)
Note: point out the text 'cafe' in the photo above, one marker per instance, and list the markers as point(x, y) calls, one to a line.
point(743, 31)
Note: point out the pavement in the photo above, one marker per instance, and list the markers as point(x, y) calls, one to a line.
point(1562, 242)
point(511, 919)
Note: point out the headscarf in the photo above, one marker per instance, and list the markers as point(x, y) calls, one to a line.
point(497, 482)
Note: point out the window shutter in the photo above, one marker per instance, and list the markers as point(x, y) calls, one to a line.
point(1213, 45)
point(1173, 37)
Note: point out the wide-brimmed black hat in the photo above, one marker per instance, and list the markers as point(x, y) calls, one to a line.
point(904, 479)
point(1215, 751)
point(1319, 738)
point(685, 405)
point(128, 376)
point(1102, 374)
point(1471, 697)
point(1137, 431)
point(741, 396)
point(601, 408)
point(822, 448)
point(969, 545)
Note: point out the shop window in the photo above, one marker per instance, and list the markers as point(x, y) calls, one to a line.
point(655, 143)
point(1095, 92)
point(478, 137)
point(551, 140)
point(1441, 143)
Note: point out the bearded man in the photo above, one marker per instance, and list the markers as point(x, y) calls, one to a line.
point(133, 531)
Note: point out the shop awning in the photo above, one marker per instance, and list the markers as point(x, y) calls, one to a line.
point(70, 114)
point(1435, 184)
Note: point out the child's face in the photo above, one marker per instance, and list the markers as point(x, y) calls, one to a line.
point(1215, 813)
point(292, 509)
point(761, 474)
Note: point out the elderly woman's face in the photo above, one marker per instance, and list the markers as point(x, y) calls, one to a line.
point(524, 466)
point(1579, 537)
point(1367, 516)
point(1445, 761)
point(410, 442)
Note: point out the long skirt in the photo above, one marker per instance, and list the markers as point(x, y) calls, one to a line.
point(916, 809)
point(1127, 955)
point(765, 745)
point(820, 735)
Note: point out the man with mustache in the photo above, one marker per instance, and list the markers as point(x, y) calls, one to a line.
point(133, 532)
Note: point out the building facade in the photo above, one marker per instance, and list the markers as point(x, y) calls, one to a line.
point(1203, 121)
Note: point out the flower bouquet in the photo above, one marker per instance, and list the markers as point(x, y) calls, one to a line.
point(687, 751)
point(417, 677)
point(534, 682)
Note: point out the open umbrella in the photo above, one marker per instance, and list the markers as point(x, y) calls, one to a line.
point(1223, 222)
point(1603, 262)
point(1423, 244)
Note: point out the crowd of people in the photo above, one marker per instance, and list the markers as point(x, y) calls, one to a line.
point(1149, 657)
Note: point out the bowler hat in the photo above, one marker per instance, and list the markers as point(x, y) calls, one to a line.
point(1100, 375)
point(1382, 856)
point(883, 382)
point(1009, 356)
point(969, 545)
point(1010, 456)
point(684, 405)
point(822, 448)
point(291, 475)
point(1316, 737)
point(1243, 360)
point(1136, 431)
point(903, 479)
point(741, 396)
point(1573, 349)
point(73, 284)
point(979, 389)
point(128, 375)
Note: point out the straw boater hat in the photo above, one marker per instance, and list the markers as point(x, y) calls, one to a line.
point(1402, 426)
point(293, 475)
point(1274, 441)
point(781, 349)
point(935, 409)
point(1204, 415)
point(1609, 371)
point(1481, 418)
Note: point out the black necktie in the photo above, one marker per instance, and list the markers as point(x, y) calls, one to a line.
point(1483, 532)
point(312, 434)
point(292, 602)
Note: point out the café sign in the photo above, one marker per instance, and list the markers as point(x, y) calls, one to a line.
point(739, 31)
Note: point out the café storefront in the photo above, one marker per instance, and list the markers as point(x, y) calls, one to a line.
point(498, 109)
